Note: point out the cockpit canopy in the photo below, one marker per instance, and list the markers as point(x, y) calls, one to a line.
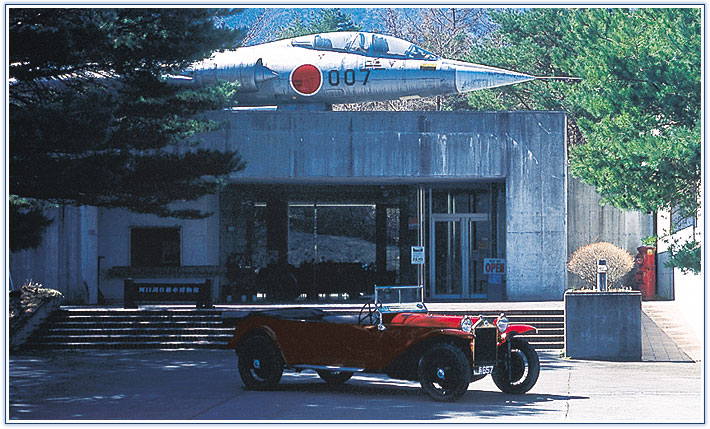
point(370, 44)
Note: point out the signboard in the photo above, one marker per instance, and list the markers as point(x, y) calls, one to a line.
point(417, 255)
point(495, 279)
point(413, 223)
point(493, 266)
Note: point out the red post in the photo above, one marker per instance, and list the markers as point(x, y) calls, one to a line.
point(646, 274)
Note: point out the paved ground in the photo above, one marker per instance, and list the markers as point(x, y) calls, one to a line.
point(204, 385)
point(679, 338)
point(667, 387)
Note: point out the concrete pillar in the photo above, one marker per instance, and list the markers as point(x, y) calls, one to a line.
point(277, 230)
point(89, 252)
point(381, 242)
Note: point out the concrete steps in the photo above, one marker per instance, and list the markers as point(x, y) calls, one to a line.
point(206, 329)
point(550, 325)
point(133, 329)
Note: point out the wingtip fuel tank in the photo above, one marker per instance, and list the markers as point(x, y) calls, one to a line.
point(343, 67)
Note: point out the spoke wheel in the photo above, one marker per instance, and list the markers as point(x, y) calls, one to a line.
point(444, 373)
point(524, 369)
point(334, 377)
point(260, 363)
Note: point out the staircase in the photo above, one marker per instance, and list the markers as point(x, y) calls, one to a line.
point(132, 329)
point(550, 325)
point(205, 329)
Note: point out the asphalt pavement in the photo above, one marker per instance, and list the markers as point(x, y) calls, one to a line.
point(203, 385)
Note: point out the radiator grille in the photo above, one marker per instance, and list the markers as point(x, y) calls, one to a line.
point(484, 346)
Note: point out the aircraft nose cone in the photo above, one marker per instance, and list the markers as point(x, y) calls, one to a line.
point(470, 77)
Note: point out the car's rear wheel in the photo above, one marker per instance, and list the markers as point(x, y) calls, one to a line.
point(260, 363)
point(444, 372)
point(334, 377)
point(524, 369)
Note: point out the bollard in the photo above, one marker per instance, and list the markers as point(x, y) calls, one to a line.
point(601, 275)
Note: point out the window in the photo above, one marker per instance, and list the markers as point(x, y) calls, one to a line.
point(155, 247)
point(680, 221)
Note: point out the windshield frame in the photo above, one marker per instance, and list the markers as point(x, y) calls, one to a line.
point(417, 306)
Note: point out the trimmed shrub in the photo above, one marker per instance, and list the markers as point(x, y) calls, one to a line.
point(583, 263)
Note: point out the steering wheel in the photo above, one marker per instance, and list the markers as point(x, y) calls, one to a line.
point(367, 313)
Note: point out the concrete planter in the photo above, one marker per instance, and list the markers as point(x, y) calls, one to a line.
point(603, 325)
point(19, 336)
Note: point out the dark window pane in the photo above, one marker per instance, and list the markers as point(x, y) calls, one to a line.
point(155, 247)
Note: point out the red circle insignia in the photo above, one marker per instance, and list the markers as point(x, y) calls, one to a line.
point(306, 79)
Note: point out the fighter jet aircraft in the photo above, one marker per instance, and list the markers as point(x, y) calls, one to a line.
point(342, 67)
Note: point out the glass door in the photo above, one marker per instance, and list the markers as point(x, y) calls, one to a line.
point(457, 252)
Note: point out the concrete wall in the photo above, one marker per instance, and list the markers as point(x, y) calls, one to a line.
point(526, 149)
point(199, 245)
point(590, 222)
point(536, 207)
point(410, 146)
point(66, 259)
point(690, 299)
point(664, 277)
point(604, 326)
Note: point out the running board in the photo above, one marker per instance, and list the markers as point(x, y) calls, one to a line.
point(328, 368)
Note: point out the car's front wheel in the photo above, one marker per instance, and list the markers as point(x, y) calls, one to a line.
point(334, 377)
point(260, 363)
point(444, 372)
point(524, 368)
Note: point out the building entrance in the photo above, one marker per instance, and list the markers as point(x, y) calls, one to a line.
point(463, 231)
point(456, 258)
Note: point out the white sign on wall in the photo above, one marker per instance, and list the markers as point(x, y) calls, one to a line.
point(417, 255)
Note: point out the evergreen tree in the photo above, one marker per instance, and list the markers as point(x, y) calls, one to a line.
point(91, 122)
point(326, 21)
point(634, 119)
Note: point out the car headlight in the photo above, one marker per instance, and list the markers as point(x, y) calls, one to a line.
point(466, 324)
point(502, 324)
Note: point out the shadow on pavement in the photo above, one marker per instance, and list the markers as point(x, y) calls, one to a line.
point(204, 385)
point(404, 400)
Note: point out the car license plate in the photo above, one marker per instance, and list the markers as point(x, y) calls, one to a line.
point(483, 370)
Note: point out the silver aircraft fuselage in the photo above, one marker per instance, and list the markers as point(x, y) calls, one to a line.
point(345, 67)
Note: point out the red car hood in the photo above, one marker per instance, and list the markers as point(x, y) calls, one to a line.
point(428, 320)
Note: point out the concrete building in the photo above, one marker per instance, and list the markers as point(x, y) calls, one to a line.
point(334, 202)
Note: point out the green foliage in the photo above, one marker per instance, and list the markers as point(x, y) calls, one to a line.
point(650, 241)
point(634, 120)
point(28, 223)
point(537, 42)
point(325, 21)
point(686, 256)
point(93, 123)
point(641, 107)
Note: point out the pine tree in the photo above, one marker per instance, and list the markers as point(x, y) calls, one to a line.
point(326, 21)
point(91, 122)
point(634, 119)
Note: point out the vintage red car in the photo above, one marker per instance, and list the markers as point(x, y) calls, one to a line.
point(390, 335)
